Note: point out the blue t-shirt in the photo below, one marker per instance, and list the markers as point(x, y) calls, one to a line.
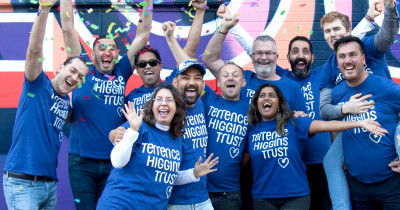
point(318, 145)
point(278, 170)
point(227, 127)
point(37, 132)
point(290, 90)
point(367, 155)
point(97, 109)
point(147, 180)
point(194, 146)
point(140, 96)
point(375, 61)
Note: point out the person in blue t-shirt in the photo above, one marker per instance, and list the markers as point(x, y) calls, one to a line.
point(300, 57)
point(97, 106)
point(336, 25)
point(29, 180)
point(227, 126)
point(148, 65)
point(148, 159)
point(276, 143)
point(375, 185)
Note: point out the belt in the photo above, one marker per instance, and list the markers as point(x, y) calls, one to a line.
point(27, 177)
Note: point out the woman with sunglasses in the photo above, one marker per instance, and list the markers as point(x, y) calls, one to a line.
point(276, 143)
point(147, 160)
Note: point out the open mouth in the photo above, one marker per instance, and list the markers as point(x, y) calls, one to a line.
point(148, 73)
point(106, 61)
point(300, 64)
point(163, 113)
point(191, 91)
point(349, 68)
point(267, 106)
point(230, 86)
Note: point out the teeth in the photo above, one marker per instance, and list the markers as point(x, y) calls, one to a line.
point(148, 73)
point(300, 62)
point(267, 104)
point(349, 68)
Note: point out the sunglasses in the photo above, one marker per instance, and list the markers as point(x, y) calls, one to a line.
point(143, 64)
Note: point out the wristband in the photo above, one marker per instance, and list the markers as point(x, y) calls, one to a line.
point(221, 32)
point(369, 18)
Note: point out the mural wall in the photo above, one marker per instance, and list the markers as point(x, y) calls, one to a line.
point(281, 19)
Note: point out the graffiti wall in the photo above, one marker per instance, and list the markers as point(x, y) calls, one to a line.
point(281, 19)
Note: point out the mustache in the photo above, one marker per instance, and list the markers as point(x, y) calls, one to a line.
point(191, 87)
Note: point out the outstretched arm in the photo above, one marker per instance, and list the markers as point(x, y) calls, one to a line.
point(34, 53)
point(179, 55)
point(71, 38)
point(213, 59)
point(365, 25)
point(142, 31)
point(318, 126)
point(390, 27)
point(195, 30)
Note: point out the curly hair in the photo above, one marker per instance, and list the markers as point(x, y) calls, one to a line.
point(178, 122)
point(282, 116)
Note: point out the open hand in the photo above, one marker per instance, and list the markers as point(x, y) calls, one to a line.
point(134, 120)
point(395, 165)
point(201, 169)
point(358, 104)
point(373, 127)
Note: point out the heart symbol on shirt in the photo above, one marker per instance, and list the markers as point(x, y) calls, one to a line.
point(233, 152)
point(375, 138)
point(169, 190)
point(283, 162)
point(119, 111)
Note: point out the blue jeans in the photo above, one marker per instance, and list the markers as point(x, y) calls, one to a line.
point(337, 183)
point(226, 200)
point(25, 194)
point(206, 205)
point(87, 178)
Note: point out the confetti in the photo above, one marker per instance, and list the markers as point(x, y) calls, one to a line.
point(111, 78)
point(302, 5)
point(81, 19)
point(124, 39)
point(143, 4)
point(109, 10)
point(84, 79)
point(207, 31)
point(90, 10)
point(40, 60)
point(68, 49)
point(87, 23)
point(177, 20)
point(395, 41)
point(112, 24)
point(95, 86)
point(146, 13)
point(207, 52)
point(82, 119)
point(284, 31)
point(298, 27)
point(33, 2)
point(20, 187)
point(182, 9)
point(115, 6)
point(31, 95)
point(97, 96)
point(311, 32)
point(89, 63)
point(87, 42)
point(94, 26)
point(77, 200)
point(95, 36)
point(283, 12)
point(86, 97)
point(115, 60)
point(253, 4)
point(67, 14)
point(190, 3)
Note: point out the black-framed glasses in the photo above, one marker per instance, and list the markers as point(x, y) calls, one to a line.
point(143, 64)
point(268, 53)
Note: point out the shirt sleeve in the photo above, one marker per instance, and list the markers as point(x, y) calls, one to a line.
point(327, 110)
point(185, 177)
point(121, 154)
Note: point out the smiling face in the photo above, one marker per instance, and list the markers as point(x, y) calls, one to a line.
point(69, 75)
point(333, 31)
point(351, 63)
point(268, 103)
point(164, 107)
point(150, 74)
point(300, 58)
point(189, 84)
point(264, 58)
point(231, 81)
point(104, 54)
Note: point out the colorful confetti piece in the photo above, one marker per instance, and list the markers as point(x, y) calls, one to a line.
point(77, 200)
point(79, 85)
point(84, 120)
point(40, 60)
point(31, 95)
point(283, 12)
point(94, 26)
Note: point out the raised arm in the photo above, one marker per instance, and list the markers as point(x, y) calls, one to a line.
point(34, 53)
point(390, 27)
point(212, 59)
point(195, 30)
point(318, 126)
point(71, 38)
point(142, 31)
point(365, 25)
point(179, 55)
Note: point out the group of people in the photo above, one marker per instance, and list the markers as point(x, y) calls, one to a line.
point(269, 130)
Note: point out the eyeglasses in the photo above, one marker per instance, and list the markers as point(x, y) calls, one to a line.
point(268, 53)
point(143, 64)
point(167, 100)
point(296, 50)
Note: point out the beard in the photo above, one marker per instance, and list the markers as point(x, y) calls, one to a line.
point(264, 71)
point(189, 100)
point(300, 73)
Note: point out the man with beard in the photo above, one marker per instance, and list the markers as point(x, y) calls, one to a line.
point(97, 106)
point(300, 57)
